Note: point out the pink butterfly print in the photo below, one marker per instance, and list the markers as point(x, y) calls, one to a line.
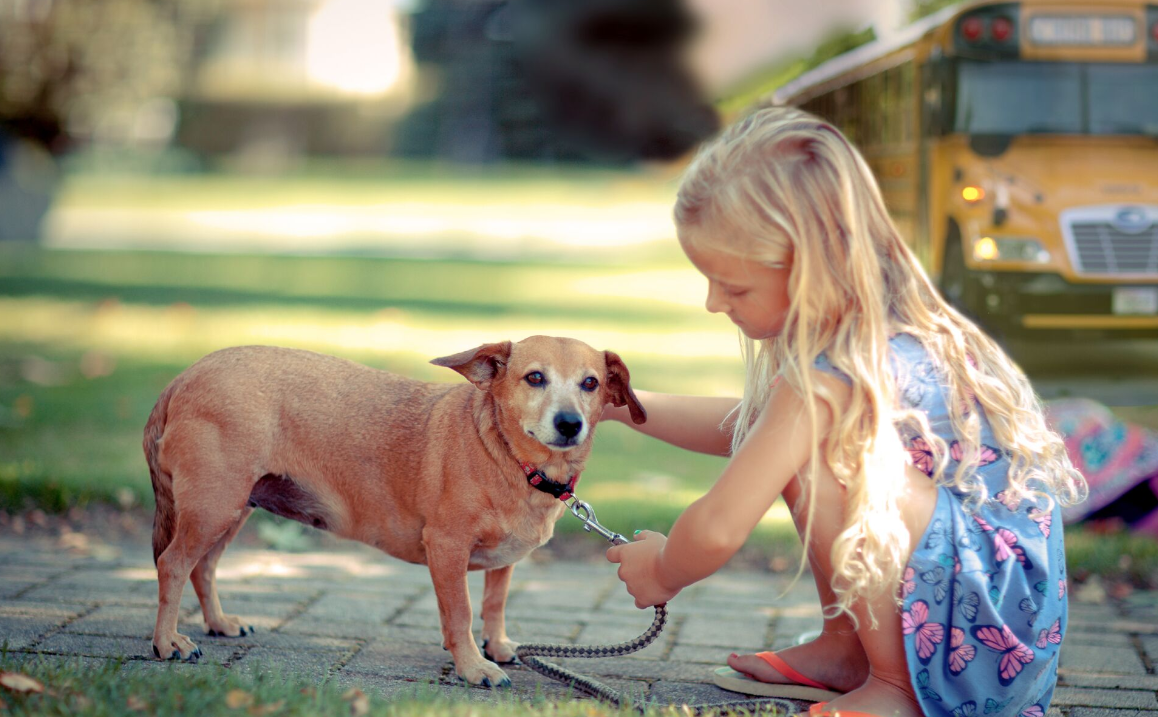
point(1009, 500)
point(927, 634)
point(910, 585)
point(1033, 711)
point(921, 455)
point(988, 455)
point(983, 524)
point(1005, 545)
point(960, 654)
point(1051, 636)
point(1061, 588)
point(1044, 519)
point(1014, 655)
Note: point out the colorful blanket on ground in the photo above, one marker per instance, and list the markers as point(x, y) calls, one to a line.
point(1114, 456)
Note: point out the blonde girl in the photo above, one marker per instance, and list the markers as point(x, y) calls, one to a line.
point(911, 451)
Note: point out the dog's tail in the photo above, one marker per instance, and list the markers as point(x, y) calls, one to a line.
point(162, 482)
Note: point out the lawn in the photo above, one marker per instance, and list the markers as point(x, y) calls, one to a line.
point(49, 688)
point(88, 339)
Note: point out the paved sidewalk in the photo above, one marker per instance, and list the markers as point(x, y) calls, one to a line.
point(360, 618)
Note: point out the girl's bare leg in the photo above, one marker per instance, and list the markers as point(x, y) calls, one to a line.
point(835, 658)
point(874, 656)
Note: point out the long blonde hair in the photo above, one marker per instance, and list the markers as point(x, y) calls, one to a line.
point(784, 182)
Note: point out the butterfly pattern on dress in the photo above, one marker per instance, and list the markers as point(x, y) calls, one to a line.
point(1043, 518)
point(1005, 546)
point(1014, 655)
point(965, 709)
point(960, 654)
point(921, 455)
point(1033, 711)
point(1029, 607)
point(1008, 499)
point(971, 574)
point(1049, 636)
point(924, 689)
point(908, 584)
point(926, 635)
point(988, 454)
point(966, 602)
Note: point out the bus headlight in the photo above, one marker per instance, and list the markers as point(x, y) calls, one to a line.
point(1009, 249)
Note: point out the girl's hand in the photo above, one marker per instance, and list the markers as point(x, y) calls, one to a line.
point(639, 569)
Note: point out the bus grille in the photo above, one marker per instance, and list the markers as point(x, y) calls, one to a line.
point(1102, 249)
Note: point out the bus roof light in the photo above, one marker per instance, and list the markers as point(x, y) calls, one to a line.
point(973, 28)
point(1001, 29)
point(972, 194)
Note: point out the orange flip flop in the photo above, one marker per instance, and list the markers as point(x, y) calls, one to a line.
point(801, 687)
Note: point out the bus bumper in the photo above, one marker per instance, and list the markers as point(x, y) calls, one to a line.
point(1037, 305)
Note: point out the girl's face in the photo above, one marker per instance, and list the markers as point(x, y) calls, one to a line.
point(752, 295)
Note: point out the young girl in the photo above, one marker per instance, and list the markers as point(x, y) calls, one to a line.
point(913, 454)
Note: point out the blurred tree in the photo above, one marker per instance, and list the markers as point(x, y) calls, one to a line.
point(74, 69)
point(598, 80)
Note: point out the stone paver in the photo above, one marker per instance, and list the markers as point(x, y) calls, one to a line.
point(358, 618)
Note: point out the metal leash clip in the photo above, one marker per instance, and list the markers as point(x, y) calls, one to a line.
point(586, 513)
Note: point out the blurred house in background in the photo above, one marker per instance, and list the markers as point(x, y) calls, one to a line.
point(275, 79)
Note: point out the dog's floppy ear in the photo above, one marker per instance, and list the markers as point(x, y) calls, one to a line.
point(619, 387)
point(480, 365)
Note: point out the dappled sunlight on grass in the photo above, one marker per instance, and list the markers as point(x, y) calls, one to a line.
point(406, 339)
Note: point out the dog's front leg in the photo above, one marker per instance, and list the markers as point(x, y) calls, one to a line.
point(448, 559)
point(496, 645)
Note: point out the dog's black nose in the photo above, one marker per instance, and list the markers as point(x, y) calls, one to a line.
point(568, 424)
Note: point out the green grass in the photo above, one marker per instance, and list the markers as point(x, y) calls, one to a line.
point(72, 688)
point(140, 318)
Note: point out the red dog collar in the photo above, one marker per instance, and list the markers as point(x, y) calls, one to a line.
point(540, 481)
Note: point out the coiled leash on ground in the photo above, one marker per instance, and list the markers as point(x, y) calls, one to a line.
point(530, 653)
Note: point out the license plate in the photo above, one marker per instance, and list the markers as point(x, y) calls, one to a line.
point(1136, 300)
point(1081, 30)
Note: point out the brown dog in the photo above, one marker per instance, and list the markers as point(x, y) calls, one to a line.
point(429, 473)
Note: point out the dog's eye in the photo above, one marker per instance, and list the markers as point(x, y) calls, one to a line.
point(535, 378)
point(590, 383)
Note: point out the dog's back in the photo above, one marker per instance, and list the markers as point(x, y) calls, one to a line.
point(249, 398)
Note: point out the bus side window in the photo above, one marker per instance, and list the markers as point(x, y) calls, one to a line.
point(933, 110)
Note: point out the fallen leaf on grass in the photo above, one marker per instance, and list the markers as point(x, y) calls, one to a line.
point(236, 699)
point(359, 702)
point(136, 704)
point(20, 684)
point(262, 710)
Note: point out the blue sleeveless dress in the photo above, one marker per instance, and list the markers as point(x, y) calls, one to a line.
point(984, 593)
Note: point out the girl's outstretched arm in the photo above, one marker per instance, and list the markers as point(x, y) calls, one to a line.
point(714, 527)
point(689, 422)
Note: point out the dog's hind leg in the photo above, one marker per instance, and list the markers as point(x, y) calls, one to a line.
point(205, 584)
point(497, 647)
point(209, 508)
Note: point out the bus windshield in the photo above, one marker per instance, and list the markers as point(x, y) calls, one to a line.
point(1056, 98)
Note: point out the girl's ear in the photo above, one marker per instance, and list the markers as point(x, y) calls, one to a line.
point(481, 366)
point(619, 391)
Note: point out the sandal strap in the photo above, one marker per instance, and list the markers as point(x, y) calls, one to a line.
point(777, 663)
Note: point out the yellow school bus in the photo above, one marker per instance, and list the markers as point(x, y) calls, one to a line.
point(1016, 144)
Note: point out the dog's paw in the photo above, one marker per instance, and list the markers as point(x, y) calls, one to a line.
point(180, 648)
point(230, 626)
point(501, 652)
point(485, 674)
